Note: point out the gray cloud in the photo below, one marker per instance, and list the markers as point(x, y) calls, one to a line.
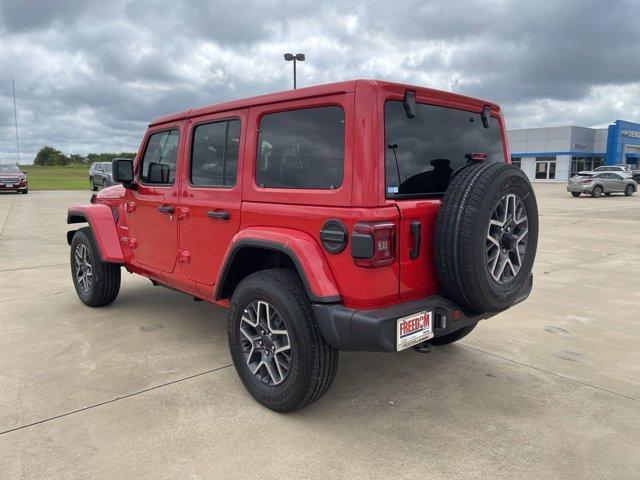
point(90, 75)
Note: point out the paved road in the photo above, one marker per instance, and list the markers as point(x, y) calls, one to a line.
point(145, 388)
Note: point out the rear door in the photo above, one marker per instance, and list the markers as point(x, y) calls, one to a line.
point(421, 156)
point(151, 211)
point(618, 181)
point(209, 206)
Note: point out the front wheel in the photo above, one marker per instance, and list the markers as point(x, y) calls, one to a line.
point(597, 191)
point(92, 185)
point(25, 191)
point(97, 283)
point(276, 344)
point(628, 191)
point(575, 194)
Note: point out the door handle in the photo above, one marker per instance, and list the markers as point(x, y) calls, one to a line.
point(218, 214)
point(166, 209)
point(415, 233)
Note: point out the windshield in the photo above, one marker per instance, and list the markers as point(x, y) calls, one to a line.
point(9, 169)
point(423, 152)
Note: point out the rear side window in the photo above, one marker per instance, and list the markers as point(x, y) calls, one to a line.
point(214, 154)
point(423, 153)
point(159, 161)
point(301, 149)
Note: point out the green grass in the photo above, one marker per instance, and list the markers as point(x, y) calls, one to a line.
point(72, 177)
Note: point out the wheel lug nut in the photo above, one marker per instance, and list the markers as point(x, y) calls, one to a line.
point(260, 343)
point(273, 347)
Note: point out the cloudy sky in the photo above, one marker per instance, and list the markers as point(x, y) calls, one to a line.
point(91, 74)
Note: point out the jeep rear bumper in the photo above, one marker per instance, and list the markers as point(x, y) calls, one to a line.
point(375, 330)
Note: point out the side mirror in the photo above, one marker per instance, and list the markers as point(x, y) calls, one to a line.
point(410, 103)
point(122, 169)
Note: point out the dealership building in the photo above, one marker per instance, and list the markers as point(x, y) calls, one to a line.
point(554, 154)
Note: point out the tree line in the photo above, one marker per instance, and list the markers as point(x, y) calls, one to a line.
point(49, 156)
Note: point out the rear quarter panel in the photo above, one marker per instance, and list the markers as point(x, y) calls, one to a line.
point(359, 287)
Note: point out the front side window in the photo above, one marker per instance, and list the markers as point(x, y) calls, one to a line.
point(159, 161)
point(214, 154)
point(422, 153)
point(301, 149)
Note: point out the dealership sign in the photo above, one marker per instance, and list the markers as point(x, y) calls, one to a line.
point(630, 133)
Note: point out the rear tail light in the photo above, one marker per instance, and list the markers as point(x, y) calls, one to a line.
point(373, 244)
point(588, 180)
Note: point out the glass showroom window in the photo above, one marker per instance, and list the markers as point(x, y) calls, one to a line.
point(581, 164)
point(545, 168)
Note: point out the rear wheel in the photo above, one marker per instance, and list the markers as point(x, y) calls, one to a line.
point(453, 336)
point(97, 283)
point(486, 236)
point(575, 194)
point(276, 344)
point(629, 189)
point(597, 191)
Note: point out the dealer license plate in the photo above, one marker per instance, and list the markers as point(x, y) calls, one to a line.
point(8, 185)
point(414, 329)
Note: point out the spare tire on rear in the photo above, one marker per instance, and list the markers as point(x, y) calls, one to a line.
point(486, 236)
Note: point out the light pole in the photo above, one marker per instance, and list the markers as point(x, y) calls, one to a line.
point(297, 57)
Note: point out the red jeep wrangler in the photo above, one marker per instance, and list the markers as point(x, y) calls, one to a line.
point(360, 215)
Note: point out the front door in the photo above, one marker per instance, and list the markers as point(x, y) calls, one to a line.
point(210, 201)
point(151, 208)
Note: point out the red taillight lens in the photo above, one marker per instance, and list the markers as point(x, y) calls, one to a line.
point(376, 244)
point(588, 180)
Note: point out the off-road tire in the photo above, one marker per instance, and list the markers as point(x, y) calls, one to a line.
point(461, 236)
point(453, 336)
point(314, 362)
point(597, 191)
point(575, 194)
point(105, 276)
point(628, 190)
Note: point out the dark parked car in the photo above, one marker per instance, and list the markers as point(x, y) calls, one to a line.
point(100, 175)
point(13, 179)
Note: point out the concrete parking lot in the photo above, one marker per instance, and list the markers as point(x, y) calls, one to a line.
point(145, 388)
